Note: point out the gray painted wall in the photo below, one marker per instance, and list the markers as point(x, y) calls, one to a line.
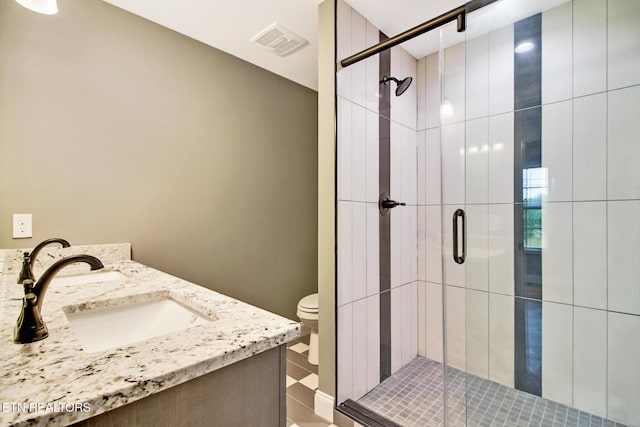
point(115, 129)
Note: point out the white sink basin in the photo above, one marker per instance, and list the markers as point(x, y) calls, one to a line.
point(104, 328)
point(84, 278)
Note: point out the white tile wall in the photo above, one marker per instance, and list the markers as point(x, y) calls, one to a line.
point(501, 339)
point(454, 83)
point(557, 150)
point(345, 254)
point(396, 328)
point(345, 352)
point(501, 70)
point(421, 171)
point(372, 70)
point(433, 91)
point(359, 248)
point(589, 47)
point(477, 332)
point(501, 158)
point(623, 373)
point(453, 160)
point(359, 69)
point(373, 249)
point(455, 312)
point(557, 352)
point(396, 247)
point(557, 54)
point(501, 275)
point(477, 77)
point(557, 252)
point(422, 318)
point(623, 180)
point(422, 243)
point(373, 158)
point(409, 322)
point(622, 240)
point(590, 254)
point(433, 317)
point(373, 341)
point(358, 153)
point(421, 97)
point(590, 147)
point(359, 369)
point(623, 39)
point(590, 360)
point(344, 149)
point(477, 160)
point(433, 167)
point(434, 244)
point(477, 262)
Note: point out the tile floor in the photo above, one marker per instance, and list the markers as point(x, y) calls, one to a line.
point(302, 382)
point(413, 397)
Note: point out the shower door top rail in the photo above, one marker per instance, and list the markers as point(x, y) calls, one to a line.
point(458, 14)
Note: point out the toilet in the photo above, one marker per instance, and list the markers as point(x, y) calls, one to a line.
point(308, 314)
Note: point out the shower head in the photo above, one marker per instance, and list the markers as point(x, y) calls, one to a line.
point(402, 84)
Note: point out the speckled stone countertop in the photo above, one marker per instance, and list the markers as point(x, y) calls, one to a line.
point(41, 382)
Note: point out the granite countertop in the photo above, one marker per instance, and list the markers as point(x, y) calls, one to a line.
point(56, 382)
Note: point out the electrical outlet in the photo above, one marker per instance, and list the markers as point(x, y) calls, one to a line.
point(22, 226)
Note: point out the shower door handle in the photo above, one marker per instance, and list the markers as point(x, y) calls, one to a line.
point(459, 214)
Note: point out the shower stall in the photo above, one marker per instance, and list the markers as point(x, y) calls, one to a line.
point(487, 215)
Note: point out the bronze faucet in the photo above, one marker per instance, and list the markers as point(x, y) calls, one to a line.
point(29, 258)
point(30, 327)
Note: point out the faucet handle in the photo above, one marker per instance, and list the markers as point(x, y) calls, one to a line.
point(25, 272)
point(28, 287)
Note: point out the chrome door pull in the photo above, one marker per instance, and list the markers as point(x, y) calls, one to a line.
point(459, 259)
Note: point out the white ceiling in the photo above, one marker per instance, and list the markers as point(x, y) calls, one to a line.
point(230, 25)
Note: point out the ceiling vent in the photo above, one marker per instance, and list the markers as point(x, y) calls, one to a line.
point(279, 40)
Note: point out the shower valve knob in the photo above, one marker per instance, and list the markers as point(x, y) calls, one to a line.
point(389, 204)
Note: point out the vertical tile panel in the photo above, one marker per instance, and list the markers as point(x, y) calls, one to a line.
point(410, 97)
point(373, 249)
point(454, 83)
point(477, 158)
point(557, 252)
point(622, 240)
point(373, 341)
point(590, 147)
point(412, 301)
point(421, 168)
point(359, 230)
point(527, 65)
point(372, 65)
point(455, 313)
point(590, 361)
point(359, 69)
point(433, 91)
point(501, 74)
point(359, 348)
point(409, 166)
point(396, 329)
point(408, 300)
point(622, 135)
point(343, 48)
point(557, 48)
point(477, 77)
point(477, 333)
point(373, 158)
point(528, 345)
point(557, 352)
point(590, 254)
point(501, 344)
point(434, 244)
point(421, 86)
point(345, 253)
point(589, 47)
point(412, 243)
point(396, 247)
point(345, 352)
point(344, 149)
point(501, 137)
point(432, 165)
point(557, 141)
point(623, 39)
point(408, 241)
point(358, 153)
point(453, 164)
point(422, 243)
point(396, 149)
point(477, 262)
point(501, 277)
point(434, 321)
point(623, 373)
point(422, 319)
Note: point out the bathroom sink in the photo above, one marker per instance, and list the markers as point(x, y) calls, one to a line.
point(91, 277)
point(102, 328)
